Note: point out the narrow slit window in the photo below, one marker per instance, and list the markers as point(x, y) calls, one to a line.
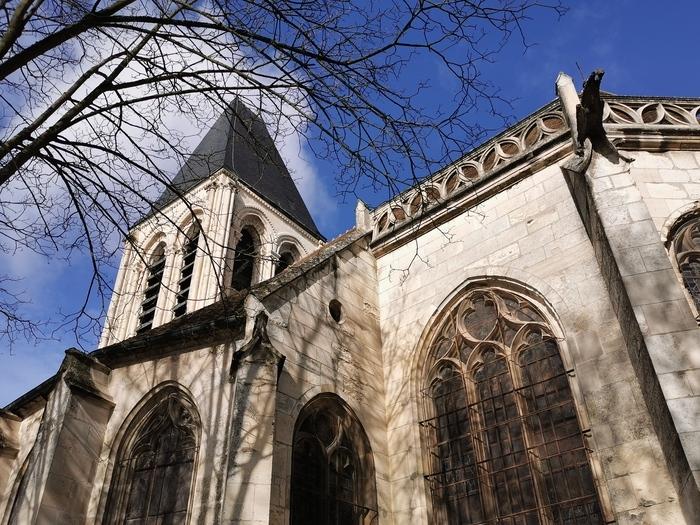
point(189, 256)
point(156, 267)
point(285, 261)
point(289, 254)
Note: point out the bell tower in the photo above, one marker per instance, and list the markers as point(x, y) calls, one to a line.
point(231, 217)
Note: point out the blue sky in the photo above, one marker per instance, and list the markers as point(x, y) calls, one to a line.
point(645, 47)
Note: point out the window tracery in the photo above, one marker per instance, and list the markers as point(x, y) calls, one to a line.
point(686, 245)
point(189, 257)
point(332, 468)
point(156, 267)
point(504, 441)
point(154, 471)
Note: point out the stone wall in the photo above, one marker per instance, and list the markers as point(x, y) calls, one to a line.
point(648, 297)
point(668, 182)
point(530, 234)
point(328, 356)
point(204, 374)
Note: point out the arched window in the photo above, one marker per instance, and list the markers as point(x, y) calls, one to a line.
point(156, 267)
point(332, 467)
point(244, 260)
point(155, 465)
point(289, 254)
point(505, 445)
point(189, 256)
point(686, 245)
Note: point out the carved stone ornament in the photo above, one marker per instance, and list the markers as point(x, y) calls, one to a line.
point(589, 120)
point(258, 349)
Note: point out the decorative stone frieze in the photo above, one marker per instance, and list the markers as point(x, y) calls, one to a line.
point(516, 143)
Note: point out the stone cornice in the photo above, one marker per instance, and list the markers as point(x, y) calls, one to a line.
point(510, 148)
point(631, 122)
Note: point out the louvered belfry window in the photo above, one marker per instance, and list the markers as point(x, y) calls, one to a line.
point(332, 468)
point(504, 442)
point(156, 268)
point(686, 245)
point(189, 256)
point(155, 466)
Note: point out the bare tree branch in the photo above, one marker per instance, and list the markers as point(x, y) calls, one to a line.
point(86, 88)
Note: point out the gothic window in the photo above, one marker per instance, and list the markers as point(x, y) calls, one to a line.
point(332, 467)
point(156, 266)
point(189, 256)
point(154, 470)
point(504, 441)
point(244, 259)
point(288, 255)
point(686, 244)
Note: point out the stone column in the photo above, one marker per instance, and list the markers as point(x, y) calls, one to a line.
point(219, 230)
point(657, 324)
point(62, 464)
point(255, 369)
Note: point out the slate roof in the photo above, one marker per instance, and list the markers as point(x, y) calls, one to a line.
point(239, 141)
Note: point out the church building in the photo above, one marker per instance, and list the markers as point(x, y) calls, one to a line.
point(512, 341)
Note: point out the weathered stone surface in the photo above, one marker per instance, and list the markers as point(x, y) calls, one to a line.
point(588, 247)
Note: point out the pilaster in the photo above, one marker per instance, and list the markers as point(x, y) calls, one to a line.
point(9, 450)
point(649, 302)
point(61, 468)
point(255, 369)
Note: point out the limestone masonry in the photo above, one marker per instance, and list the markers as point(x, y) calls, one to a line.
point(512, 341)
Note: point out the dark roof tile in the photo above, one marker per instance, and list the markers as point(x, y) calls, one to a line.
point(239, 141)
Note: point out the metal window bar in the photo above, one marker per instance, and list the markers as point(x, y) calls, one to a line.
point(160, 480)
point(534, 465)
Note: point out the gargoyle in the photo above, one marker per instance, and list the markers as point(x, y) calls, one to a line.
point(589, 120)
point(589, 113)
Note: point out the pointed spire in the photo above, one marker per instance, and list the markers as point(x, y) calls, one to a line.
point(239, 142)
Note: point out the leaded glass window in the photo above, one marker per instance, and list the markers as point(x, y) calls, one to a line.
point(504, 441)
point(332, 467)
point(155, 468)
point(686, 245)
